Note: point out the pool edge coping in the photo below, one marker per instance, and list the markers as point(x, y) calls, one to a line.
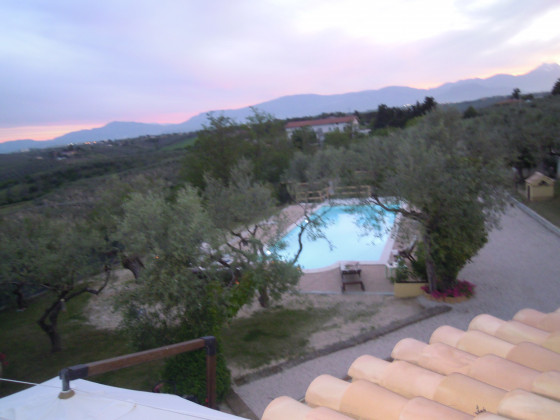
point(385, 254)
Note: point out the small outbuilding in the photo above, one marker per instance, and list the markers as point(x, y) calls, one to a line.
point(539, 187)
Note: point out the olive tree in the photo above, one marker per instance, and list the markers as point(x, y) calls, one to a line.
point(182, 293)
point(249, 225)
point(447, 176)
point(203, 261)
point(530, 131)
point(58, 257)
point(179, 282)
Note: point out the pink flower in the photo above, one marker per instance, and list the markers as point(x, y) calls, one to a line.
point(461, 288)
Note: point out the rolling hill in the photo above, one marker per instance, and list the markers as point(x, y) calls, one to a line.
point(540, 79)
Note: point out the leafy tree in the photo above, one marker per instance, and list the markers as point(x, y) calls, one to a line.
point(223, 143)
point(556, 88)
point(55, 256)
point(297, 170)
point(181, 294)
point(530, 133)
point(399, 116)
point(203, 261)
point(428, 105)
point(19, 259)
point(385, 117)
point(217, 148)
point(107, 212)
point(339, 138)
point(446, 176)
point(306, 174)
point(269, 152)
point(305, 140)
point(516, 94)
point(244, 213)
point(470, 112)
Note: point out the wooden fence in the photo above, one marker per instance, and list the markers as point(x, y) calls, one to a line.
point(313, 193)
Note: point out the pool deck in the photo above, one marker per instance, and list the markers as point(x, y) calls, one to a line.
point(374, 274)
point(329, 282)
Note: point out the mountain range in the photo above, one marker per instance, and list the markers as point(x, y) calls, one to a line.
point(540, 79)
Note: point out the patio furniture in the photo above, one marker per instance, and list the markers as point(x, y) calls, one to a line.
point(351, 273)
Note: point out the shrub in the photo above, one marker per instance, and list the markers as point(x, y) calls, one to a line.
point(419, 264)
point(460, 288)
point(185, 375)
point(402, 272)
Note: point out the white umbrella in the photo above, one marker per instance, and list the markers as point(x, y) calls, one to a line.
point(93, 401)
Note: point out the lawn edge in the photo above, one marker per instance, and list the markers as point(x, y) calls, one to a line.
point(341, 345)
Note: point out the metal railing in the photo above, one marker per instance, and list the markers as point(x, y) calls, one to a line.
point(108, 365)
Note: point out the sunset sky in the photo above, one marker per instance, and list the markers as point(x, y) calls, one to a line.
point(67, 65)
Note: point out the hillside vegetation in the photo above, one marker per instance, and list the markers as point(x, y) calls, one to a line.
point(33, 175)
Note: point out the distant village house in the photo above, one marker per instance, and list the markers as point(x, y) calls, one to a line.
point(324, 125)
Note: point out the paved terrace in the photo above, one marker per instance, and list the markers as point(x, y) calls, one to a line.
point(373, 277)
point(518, 268)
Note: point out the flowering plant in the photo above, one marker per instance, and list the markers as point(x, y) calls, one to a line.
point(460, 288)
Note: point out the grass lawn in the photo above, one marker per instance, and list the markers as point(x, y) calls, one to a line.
point(271, 335)
point(267, 336)
point(284, 331)
point(29, 358)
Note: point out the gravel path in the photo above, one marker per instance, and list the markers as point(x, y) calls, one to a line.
point(518, 268)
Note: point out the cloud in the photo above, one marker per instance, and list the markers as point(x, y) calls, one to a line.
point(72, 62)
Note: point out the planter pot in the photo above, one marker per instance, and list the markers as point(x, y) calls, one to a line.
point(407, 290)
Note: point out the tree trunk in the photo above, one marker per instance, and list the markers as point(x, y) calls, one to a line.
point(264, 299)
point(52, 329)
point(133, 264)
point(430, 266)
point(59, 305)
point(20, 299)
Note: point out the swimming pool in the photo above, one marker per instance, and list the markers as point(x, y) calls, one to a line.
point(349, 243)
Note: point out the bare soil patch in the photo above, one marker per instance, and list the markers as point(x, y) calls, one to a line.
point(101, 312)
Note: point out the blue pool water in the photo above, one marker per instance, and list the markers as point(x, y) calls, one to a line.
point(347, 238)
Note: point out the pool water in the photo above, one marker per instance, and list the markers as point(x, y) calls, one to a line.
point(348, 239)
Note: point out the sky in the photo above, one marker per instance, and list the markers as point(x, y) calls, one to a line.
point(67, 65)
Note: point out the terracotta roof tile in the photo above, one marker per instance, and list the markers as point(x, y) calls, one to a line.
point(496, 369)
point(547, 322)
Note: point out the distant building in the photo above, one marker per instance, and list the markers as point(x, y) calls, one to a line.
point(324, 125)
point(539, 187)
